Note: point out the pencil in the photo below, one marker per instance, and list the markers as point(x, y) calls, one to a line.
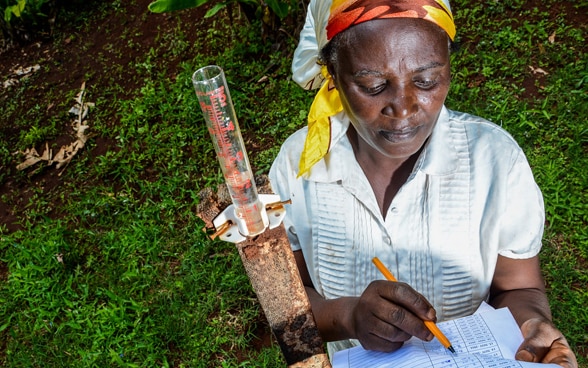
point(430, 324)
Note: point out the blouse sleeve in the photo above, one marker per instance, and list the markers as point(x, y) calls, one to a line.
point(523, 220)
point(283, 180)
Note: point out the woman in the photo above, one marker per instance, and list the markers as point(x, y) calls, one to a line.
point(446, 200)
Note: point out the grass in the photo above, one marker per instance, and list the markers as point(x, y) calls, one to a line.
point(113, 269)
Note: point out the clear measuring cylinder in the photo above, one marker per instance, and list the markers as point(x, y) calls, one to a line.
point(218, 110)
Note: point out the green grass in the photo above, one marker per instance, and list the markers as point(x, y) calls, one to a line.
point(547, 115)
point(113, 269)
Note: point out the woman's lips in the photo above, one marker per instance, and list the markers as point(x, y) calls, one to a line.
point(400, 135)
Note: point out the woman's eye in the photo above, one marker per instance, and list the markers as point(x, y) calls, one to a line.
point(375, 89)
point(426, 83)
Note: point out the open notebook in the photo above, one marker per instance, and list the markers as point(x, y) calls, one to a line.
point(488, 338)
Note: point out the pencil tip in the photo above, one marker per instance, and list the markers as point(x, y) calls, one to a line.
point(451, 349)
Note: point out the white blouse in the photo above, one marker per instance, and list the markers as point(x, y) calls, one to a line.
point(471, 196)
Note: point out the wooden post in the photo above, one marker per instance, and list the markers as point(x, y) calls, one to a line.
point(270, 265)
point(271, 268)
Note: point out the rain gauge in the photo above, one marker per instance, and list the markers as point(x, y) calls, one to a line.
point(253, 222)
point(248, 214)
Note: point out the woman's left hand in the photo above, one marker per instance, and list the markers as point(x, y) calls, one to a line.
point(518, 284)
point(545, 344)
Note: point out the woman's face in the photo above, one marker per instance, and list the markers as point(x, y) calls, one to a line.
point(393, 76)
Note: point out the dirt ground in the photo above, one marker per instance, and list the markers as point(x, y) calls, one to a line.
point(87, 50)
point(68, 57)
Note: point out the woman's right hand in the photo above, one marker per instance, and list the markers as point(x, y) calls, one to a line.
point(382, 318)
point(389, 313)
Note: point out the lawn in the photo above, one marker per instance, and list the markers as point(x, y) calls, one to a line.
point(103, 261)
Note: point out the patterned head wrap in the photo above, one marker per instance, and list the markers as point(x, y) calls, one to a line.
point(342, 15)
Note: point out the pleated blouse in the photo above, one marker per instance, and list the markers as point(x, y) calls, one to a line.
point(470, 197)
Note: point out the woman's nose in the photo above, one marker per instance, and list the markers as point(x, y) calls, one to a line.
point(400, 104)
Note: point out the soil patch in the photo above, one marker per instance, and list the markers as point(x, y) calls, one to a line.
point(98, 48)
point(101, 46)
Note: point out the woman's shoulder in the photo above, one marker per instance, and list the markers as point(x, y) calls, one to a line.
point(293, 145)
point(286, 162)
point(481, 131)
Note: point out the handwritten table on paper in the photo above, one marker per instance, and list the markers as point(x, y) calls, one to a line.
point(486, 339)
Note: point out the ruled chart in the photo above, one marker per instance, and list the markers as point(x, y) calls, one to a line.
point(487, 339)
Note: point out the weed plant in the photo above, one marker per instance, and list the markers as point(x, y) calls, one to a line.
point(120, 273)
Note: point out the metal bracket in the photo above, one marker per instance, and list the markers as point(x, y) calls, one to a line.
point(227, 222)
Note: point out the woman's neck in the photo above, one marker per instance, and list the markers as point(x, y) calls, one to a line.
point(386, 175)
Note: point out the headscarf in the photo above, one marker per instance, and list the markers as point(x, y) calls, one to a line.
point(341, 15)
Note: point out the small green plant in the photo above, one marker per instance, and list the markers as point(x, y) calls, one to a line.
point(280, 8)
point(22, 18)
point(268, 11)
point(111, 267)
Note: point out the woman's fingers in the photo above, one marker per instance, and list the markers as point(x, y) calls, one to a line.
point(544, 343)
point(403, 295)
point(387, 314)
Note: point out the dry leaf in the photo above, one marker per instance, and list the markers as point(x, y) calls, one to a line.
point(20, 73)
point(551, 38)
point(537, 70)
point(31, 158)
point(24, 71)
point(9, 82)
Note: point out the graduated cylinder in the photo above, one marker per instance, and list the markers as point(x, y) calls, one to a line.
point(217, 107)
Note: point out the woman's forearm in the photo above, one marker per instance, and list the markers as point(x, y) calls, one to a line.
point(332, 316)
point(518, 285)
point(524, 304)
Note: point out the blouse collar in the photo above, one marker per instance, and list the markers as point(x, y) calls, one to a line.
point(439, 156)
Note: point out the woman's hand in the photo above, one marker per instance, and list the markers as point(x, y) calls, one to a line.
point(545, 344)
point(518, 285)
point(382, 318)
point(389, 313)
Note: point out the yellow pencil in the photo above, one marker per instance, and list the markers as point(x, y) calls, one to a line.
point(430, 324)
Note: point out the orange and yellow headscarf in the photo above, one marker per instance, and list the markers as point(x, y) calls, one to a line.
point(342, 15)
